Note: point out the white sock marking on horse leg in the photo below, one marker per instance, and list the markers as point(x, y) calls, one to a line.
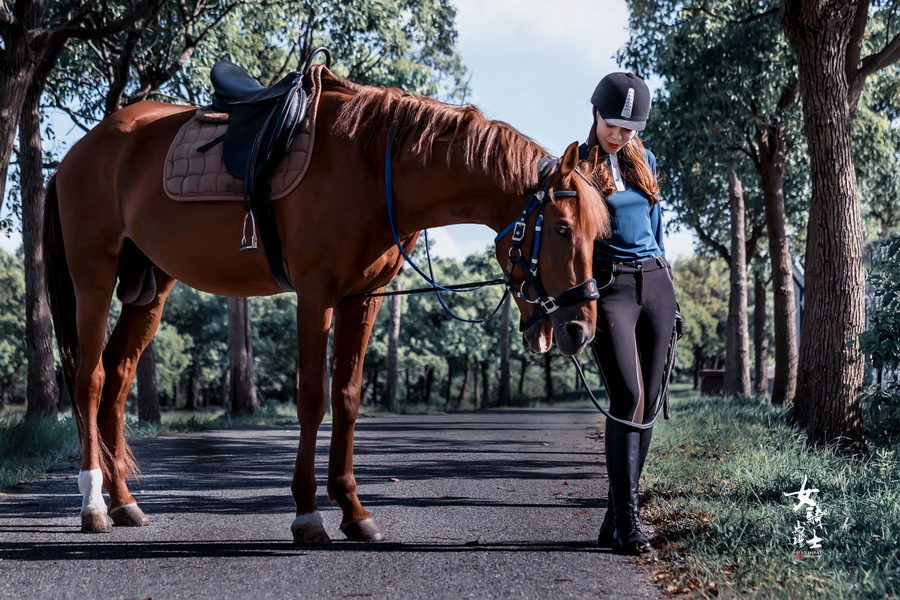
point(90, 484)
point(313, 518)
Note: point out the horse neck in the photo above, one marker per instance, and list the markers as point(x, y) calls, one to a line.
point(438, 194)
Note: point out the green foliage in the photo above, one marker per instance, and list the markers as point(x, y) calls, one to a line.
point(702, 285)
point(881, 341)
point(31, 447)
point(12, 326)
point(722, 84)
point(716, 481)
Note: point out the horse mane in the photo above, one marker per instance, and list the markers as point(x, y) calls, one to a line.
point(493, 148)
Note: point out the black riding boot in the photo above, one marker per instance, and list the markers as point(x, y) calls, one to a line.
point(606, 536)
point(626, 449)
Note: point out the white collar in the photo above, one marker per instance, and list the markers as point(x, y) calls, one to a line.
point(616, 173)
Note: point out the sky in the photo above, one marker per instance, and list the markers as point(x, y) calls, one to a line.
point(533, 64)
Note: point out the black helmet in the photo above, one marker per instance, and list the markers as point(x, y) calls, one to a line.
point(622, 99)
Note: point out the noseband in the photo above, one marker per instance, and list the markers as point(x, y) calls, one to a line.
point(537, 201)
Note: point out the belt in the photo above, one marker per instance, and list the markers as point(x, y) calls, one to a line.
point(645, 266)
point(637, 268)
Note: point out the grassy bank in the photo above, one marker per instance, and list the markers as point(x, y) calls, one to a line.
point(715, 488)
point(29, 449)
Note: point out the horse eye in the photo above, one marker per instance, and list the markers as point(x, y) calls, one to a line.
point(564, 230)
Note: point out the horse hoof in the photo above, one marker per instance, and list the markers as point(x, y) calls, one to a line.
point(362, 531)
point(308, 530)
point(96, 522)
point(129, 515)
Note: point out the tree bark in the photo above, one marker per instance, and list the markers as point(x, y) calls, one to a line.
point(760, 336)
point(485, 382)
point(548, 378)
point(465, 383)
point(770, 141)
point(148, 394)
point(390, 389)
point(240, 358)
point(831, 370)
point(503, 392)
point(737, 347)
point(41, 379)
point(524, 365)
point(429, 382)
point(477, 388)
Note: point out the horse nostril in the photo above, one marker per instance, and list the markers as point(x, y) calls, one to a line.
point(576, 333)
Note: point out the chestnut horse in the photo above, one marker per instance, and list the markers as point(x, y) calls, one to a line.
point(107, 214)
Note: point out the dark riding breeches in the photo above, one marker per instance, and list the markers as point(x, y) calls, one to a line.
point(635, 317)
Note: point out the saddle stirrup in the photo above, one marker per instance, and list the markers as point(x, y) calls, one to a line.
point(252, 245)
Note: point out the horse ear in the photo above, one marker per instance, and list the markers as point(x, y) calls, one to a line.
point(569, 160)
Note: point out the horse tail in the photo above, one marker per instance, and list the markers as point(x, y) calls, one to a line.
point(61, 292)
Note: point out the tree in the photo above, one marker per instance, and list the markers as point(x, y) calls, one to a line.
point(737, 347)
point(730, 80)
point(390, 393)
point(148, 393)
point(240, 358)
point(827, 37)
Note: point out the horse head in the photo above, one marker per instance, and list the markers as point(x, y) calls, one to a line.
point(553, 285)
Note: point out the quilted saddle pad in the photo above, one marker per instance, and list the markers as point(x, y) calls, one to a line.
point(192, 176)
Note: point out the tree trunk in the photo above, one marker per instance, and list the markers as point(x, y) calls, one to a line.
point(41, 377)
point(148, 395)
point(465, 383)
point(737, 348)
point(698, 366)
point(524, 365)
point(16, 72)
point(503, 392)
point(548, 378)
point(760, 335)
point(447, 388)
point(485, 382)
point(479, 369)
point(390, 388)
point(831, 369)
point(240, 358)
point(771, 164)
point(429, 382)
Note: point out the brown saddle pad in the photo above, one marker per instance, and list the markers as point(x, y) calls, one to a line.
point(192, 176)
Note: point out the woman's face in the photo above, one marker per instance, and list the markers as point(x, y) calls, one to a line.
point(611, 137)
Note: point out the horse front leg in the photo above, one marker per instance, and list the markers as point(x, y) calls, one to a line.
point(312, 333)
point(353, 325)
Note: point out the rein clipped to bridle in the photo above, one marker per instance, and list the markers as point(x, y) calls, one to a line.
point(535, 200)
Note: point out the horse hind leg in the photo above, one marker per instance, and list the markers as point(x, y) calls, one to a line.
point(134, 330)
point(353, 325)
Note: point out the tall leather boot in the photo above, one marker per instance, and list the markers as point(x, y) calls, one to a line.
point(623, 463)
point(606, 537)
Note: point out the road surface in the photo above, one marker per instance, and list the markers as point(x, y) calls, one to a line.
point(491, 504)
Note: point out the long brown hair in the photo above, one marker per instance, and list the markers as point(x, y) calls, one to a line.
point(633, 164)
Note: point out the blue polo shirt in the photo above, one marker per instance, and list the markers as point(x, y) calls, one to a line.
point(636, 224)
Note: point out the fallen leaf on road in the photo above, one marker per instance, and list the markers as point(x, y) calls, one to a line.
point(557, 493)
point(394, 479)
point(583, 511)
point(447, 496)
point(565, 483)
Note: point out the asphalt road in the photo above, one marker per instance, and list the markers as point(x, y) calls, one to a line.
point(495, 504)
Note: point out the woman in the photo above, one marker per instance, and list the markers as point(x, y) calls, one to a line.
point(636, 312)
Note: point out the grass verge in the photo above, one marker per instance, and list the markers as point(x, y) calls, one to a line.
point(715, 486)
point(31, 448)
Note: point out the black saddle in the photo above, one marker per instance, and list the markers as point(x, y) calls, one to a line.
point(259, 135)
point(262, 121)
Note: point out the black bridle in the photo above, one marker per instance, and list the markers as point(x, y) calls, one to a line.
point(536, 201)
